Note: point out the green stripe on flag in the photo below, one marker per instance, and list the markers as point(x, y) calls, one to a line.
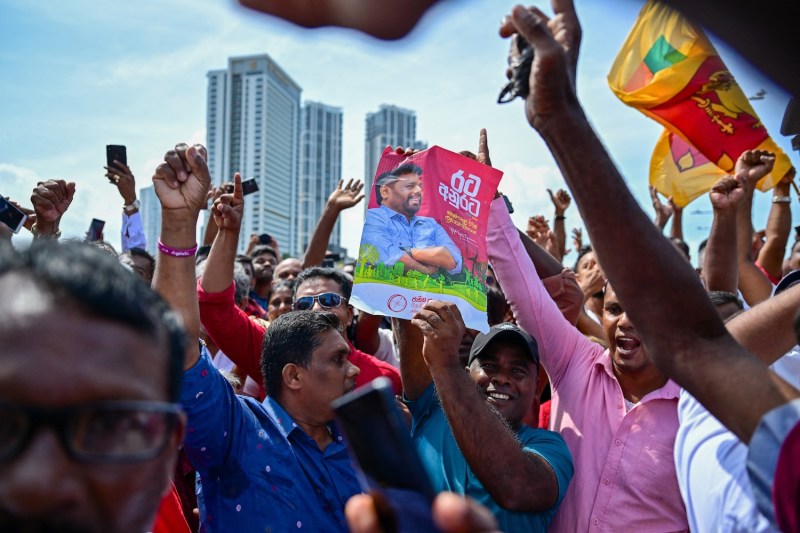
point(662, 55)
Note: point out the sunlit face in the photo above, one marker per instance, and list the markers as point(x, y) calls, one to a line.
point(79, 359)
point(288, 269)
point(280, 303)
point(403, 195)
point(506, 374)
point(330, 374)
point(263, 266)
point(317, 286)
point(626, 349)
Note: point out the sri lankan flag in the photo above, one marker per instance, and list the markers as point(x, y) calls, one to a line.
point(670, 71)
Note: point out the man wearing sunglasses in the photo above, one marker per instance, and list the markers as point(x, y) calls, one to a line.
point(90, 375)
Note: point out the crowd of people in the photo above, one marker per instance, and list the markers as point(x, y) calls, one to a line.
point(192, 391)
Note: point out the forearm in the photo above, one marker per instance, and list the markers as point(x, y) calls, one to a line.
point(779, 225)
point(318, 245)
point(413, 371)
point(561, 234)
point(676, 231)
point(218, 273)
point(720, 263)
point(174, 279)
point(546, 265)
point(599, 190)
point(590, 328)
point(515, 479)
point(437, 256)
point(211, 231)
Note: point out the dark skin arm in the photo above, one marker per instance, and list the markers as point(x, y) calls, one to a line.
point(181, 183)
point(664, 317)
point(719, 267)
point(227, 214)
point(50, 200)
point(676, 231)
point(343, 197)
point(516, 480)
point(779, 225)
point(561, 200)
point(752, 165)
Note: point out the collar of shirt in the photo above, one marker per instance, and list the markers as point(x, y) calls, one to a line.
point(286, 423)
point(391, 213)
point(670, 390)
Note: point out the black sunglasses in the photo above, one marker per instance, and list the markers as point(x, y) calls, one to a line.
point(326, 300)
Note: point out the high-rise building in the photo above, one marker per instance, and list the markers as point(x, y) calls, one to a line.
point(389, 126)
point(150, 212)
point(320, 169)
point(253, 127)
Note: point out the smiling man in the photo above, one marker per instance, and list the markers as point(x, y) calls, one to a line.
point(399, 235)
point(467, 426)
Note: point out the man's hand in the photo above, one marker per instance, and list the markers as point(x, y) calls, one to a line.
point(577, 238)
point(560, 199)
point(555, 42)
point(346, 197)
point(50, 200)
point(663, 212)
point(442, 329)
point(182, 181)
point(228, 208)
point(121, 176)
point(727, 193)
point(537, 225)
point(753, 165)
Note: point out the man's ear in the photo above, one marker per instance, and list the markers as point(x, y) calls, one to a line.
point(384, 191)
point(292, 376)
point(350, 313)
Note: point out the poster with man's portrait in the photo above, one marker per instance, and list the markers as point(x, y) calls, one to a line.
point(424, 235)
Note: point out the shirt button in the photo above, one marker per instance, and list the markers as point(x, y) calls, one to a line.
point(618, 442)
point(605, 482)
point(595, 520)
point(299, 524)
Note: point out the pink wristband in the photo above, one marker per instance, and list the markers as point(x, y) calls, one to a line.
point(176, 252)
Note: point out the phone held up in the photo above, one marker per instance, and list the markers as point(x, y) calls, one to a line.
point(95, 232)
point(380, 442)
point(11, 216)
point(249, 187)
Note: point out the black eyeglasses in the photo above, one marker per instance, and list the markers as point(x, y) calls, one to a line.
point(108, 432)
point(327, 300)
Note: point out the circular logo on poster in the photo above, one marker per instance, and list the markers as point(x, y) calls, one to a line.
point(397, 302)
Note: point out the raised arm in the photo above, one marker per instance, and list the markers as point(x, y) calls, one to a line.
point(50, 200)
point(131, 235)
point(676, 230)
point(752, 165)
point(342, 197)
point(181, 183)
point(414, 372)
point(663, 212)
point(779, 225)
point(561, 200)
point(681, 329)
point(719, 266)
point(515, 479)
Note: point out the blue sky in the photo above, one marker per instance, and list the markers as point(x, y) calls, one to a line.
point(79, 75)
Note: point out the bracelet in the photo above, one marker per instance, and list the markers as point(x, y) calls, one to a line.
point(560, 217)
point(176, 252)
point(36, 235)
point(781, 200)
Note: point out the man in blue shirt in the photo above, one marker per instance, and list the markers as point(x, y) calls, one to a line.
point(273, 466)
point(467, 426)
point(420, 243)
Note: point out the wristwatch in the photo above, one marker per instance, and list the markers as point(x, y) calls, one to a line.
point(36, 235)
point(133, 206)
point(781, 200)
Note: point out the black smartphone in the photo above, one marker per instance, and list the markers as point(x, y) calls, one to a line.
point(380, 442)
point(11, 216)
point(116, 152)
point(95, 232)
point(508, 203)
point(249, 187)
point(265, 238)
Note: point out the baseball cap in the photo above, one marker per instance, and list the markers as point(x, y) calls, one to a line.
point(787, 281)
point(507, 332)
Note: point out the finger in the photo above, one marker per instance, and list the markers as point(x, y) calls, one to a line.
point(202, 150)
point(123, 167)
point(175, 162)
point(552, 198)
point(349, 184)
point(453, 513)
point(358, 198)
point(361, 514)
point(167, 174)
point(237, 187)
point(358, 187)
point(47, 194)
point(534, 29)
point(70, 190)
point(563, 7)
point(455, 313)
point(198, 165)
point(483, 147)
point(339, 185)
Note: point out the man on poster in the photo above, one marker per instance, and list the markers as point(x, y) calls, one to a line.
point(399, 235)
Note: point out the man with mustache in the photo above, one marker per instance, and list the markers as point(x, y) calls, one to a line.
point(394, 228)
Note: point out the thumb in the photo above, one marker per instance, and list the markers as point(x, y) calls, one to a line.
point(534, 29)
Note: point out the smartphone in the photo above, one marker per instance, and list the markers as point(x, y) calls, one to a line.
point(249, 187)
point(265, 238)
point(95, 232)
point(380, 442)
point(116, 152)
point(11, 216)
point(508, 203)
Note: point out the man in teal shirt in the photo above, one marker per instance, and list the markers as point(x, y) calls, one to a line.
point(467, 426)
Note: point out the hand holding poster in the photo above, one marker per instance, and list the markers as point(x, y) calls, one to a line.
point(425, 235)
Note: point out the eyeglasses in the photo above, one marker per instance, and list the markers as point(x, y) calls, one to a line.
point(326, 300)
point(109, 432)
